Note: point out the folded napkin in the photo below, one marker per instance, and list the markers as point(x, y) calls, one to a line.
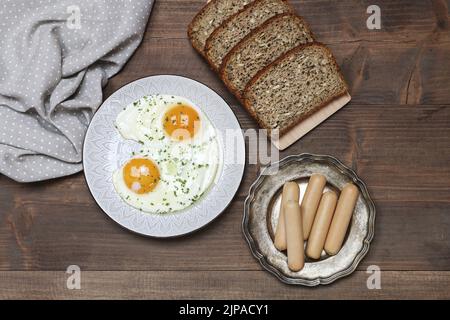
point(55, 58)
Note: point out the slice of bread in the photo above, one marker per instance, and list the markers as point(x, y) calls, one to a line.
point(261, 47)
point(209, 18)
point(235, 28)
point(293, 87)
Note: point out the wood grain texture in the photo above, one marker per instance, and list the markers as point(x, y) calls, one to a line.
point(216, 285)
point(395, 134)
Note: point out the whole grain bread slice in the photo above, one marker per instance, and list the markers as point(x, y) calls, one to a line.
point(261, 47)
point(293, 87)
point(236, 27)
point(209, 18)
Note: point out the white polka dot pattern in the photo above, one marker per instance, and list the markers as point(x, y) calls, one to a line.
point(52, 75)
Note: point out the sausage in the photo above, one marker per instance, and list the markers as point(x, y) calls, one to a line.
point(321, 225)
point(311, 200)
point(342, 217)
point(291, 192)
point(294, 236)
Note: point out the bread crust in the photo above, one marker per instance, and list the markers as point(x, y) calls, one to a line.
point(191, 26)
point(208, 45)
point(230, 54)
point(302, 117)
point(201, 51)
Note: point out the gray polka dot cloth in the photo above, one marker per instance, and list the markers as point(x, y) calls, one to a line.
point(55, 58)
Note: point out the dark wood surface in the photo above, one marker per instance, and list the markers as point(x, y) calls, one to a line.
point(395, 133)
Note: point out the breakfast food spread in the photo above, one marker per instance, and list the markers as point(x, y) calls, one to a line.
point(322, 209)
point(294, 236)
point(178, 158)
point(311, 201)
point(341, 219)
point(291, 192)
point(268, 58)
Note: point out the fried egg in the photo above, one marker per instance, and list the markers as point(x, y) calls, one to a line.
point(178, 159)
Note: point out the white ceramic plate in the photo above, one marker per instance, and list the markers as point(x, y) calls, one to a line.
point(105, 151)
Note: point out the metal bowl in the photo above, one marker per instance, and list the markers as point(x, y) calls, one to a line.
point(261, 211)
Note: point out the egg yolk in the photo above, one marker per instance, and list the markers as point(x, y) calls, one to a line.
point(181, 122)
point(141, 175)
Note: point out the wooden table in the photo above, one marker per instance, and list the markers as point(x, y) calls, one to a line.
point(395, 134)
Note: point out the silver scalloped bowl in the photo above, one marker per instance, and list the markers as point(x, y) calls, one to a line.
point(261, 211)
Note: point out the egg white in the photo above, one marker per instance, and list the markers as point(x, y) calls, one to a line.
point(187, 168)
